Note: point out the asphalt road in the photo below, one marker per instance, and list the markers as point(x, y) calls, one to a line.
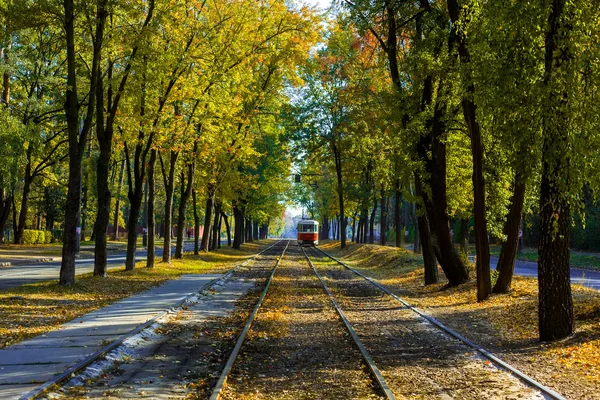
point(36, 272)
point(579, 276)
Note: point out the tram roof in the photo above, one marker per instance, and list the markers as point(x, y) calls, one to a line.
point(308, 222)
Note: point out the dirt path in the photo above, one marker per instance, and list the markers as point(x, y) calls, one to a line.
point(417, 360)
point(298, 347)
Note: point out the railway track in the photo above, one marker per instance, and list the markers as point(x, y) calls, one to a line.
point(363, 351)
point(399, 351)
point(299, 280)
point(113, 347)
point(216, 394)
point(342, 279)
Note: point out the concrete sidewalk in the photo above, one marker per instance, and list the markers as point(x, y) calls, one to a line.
point(27, 365)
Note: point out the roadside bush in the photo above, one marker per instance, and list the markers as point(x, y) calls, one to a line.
point(30, 236)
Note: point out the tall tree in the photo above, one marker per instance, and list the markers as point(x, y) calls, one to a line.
point(459, 39)
point(77, 137)
point(105, 132)
point(554, 270)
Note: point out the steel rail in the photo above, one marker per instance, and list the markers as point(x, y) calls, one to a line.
point(217, 390)
point(366, 356)
point(118, 342)
point(485, 353)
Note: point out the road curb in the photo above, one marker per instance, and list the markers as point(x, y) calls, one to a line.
point(31, 261)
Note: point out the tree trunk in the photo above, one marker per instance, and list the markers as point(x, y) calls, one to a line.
point(449, 259)
point(340, 191)
point(372, 221)
point(508, 254)
point(324, 228)
point(105, 136)
point(196, 224)
point(5, 76)
point(5, 205)
point(243, 226)
point(429, 260)
point(23, 212)
point(415, 220)
point(484, 287)
point(118, 201)
point(383, 217)
point(227, 227)
point(185, 197)
point(181, 226)
point(238, 227)
point(397, 219)
point(219, 230)
point(104, 200)
point(254, 230)
point(102, 186)
point(216, 233)
point(14, 211)
point(169, 182)
point(135, 201)
point(555, 299)
point(77, 136)
point(365, 223)
point(249, 236)
point(208, 218)
point(145, 217)
point(151, 212)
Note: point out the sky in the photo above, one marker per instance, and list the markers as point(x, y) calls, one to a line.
point(320, 3)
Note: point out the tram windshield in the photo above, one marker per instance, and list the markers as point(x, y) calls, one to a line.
point(307, 228)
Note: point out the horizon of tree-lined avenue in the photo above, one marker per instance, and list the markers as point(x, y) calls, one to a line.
point(443, 118)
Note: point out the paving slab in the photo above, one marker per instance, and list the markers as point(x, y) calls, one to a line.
point(14, 391)
point(14, 374)
point(60, 342)
point(42, 357)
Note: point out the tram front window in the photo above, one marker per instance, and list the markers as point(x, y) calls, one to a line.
point(307, 229)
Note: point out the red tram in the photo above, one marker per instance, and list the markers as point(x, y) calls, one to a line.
point(308, 232)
